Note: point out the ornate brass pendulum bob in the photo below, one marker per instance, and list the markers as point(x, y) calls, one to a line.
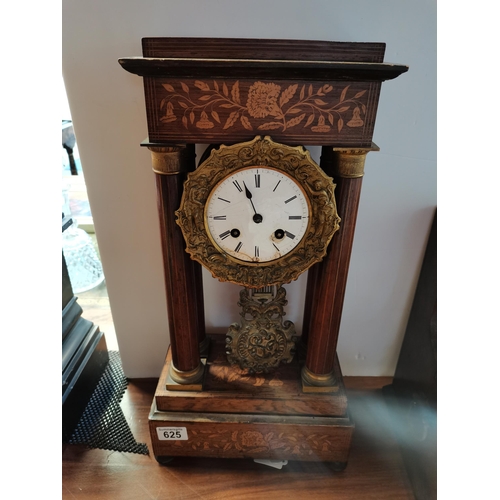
point(263, 340)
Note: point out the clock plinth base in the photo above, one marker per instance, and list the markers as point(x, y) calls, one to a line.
point(271, 437)
point(238, 415)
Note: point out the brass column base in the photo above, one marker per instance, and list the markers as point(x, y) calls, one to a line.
point(186, 381)
point(312, 382)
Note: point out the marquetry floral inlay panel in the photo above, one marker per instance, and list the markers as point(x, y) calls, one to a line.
point(262, 106)
point(255, 442)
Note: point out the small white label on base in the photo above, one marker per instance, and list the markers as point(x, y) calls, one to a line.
point(277, 464)
point(172, 433)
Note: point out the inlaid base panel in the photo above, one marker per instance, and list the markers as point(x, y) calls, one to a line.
point(221, 435)
point(228, 389)
point(250, 416)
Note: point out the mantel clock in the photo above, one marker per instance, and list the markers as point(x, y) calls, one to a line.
point(257, 211)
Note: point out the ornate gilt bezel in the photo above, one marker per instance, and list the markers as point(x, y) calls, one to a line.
point(294, 161)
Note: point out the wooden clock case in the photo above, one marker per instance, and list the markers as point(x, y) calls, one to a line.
point(226, 91)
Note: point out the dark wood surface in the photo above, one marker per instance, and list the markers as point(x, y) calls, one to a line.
point(346, 71)
point(230, 90)
point(251, 48)
point(238, 415)
point(328, 296)
point(180, 276)
point(314, 273)
point(243, 436)
point(375, 469)
point(198, 301)
point(228, 389)
point(228, 110)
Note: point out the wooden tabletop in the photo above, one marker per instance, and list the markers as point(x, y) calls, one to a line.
point(375, 469)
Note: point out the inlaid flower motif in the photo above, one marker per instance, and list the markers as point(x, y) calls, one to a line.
point(252, 439)
point(263, 99)
point(204, 122)
point(169, 116)
point(321, 127)
point(275, 382)
point(356, 120)
point(222, 104)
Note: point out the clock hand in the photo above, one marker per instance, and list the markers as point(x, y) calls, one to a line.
point(257, 218)
point(249, 196)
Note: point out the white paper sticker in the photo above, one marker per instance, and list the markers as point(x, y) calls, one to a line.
point(172, 433)
point(277, 464)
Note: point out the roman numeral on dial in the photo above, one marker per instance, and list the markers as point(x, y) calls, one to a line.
point(257, 180)
point(238, 246)
point(224, 235)
point(237, 186)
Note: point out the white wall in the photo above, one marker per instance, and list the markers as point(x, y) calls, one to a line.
point(399, 190)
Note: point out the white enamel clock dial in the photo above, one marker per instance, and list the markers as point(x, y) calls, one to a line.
point(257, 214)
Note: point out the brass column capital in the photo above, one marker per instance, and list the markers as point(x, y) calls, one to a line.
point(169, 160)
point(350, 162)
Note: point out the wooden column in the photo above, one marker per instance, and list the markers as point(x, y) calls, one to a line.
point(203, 340)
point(312, 278)
point(327, 288)
point(183, 285)
point(314, 272)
